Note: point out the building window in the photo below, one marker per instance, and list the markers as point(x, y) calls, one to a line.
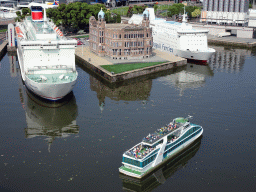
point(120, 36)
point(147, 34)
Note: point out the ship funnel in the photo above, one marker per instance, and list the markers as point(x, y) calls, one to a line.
point(37, 13)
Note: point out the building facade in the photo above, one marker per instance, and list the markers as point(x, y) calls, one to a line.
point(232, 12)
point(226, 5)
point(120, 41)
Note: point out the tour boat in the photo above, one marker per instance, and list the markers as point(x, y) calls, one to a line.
point(158, 147)
point(159, 176)
point(46, 57)
point(179, 39)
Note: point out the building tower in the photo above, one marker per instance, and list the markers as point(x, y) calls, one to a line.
point(145, 21)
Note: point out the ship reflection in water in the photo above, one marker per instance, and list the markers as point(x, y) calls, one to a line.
point(50, 119)
point(193, 76)
point(159, 176)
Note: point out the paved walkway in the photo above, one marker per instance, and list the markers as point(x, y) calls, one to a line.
point(158, 56)
point(86, 54)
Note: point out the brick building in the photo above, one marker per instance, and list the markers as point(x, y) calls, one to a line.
point(120, 41)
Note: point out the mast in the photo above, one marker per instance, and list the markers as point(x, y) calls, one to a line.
point(184, 20)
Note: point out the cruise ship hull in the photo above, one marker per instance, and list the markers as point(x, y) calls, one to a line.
point(49, 91)
point(176, 151)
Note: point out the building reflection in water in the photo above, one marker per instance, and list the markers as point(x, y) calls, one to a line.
point(193, 76)
point(49, 119)
point(131, 92)
point(160, 175)
point(228, 60)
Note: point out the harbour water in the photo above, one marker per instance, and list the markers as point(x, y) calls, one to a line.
point(77, 144)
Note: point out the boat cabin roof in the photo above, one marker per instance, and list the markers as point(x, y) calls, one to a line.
point(155, 137)
point(181, 120)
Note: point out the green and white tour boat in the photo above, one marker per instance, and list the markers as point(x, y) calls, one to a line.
point(157, 147)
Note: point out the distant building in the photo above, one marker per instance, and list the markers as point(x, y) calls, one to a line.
point(120, 41)
point(82, 1)
point(225, 11)
point(225, 60)
point(226, 5)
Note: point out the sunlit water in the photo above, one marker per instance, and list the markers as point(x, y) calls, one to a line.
point(77, 145)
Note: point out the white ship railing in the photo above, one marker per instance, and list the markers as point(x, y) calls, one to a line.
point(30, 29)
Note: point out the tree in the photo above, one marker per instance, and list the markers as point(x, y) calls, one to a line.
point(155, 7)
point(21, 15)
point(129, 12)
point(189, 10)
point(172, 11)
point(118, 18)
point(196, 13)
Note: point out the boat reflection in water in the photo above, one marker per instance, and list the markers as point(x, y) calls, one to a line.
point(193, 76)
point(50, 119)
point(159, 176)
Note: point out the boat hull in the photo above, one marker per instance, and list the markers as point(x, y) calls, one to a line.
point(176, 151)
point(50, 91)
point(200, 56)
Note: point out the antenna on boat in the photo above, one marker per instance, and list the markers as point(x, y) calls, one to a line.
point(184, 20)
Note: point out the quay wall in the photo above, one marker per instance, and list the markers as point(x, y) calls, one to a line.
point(3, 48)
point(241, 32)
point(129, 74)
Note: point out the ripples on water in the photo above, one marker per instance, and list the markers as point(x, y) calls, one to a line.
point(77, 144)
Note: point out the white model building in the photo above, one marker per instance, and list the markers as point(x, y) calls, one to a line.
point(225, 11)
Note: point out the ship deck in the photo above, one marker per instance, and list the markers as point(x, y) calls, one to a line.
point(39, 26)
point(55, 78)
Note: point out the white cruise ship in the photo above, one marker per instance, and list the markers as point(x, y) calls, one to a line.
point(157, 148)
point(46, 57)
point(177, 38)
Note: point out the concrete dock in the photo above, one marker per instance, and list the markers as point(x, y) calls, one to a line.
point(232, 41)
point(91, 61)
point(3, 48)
